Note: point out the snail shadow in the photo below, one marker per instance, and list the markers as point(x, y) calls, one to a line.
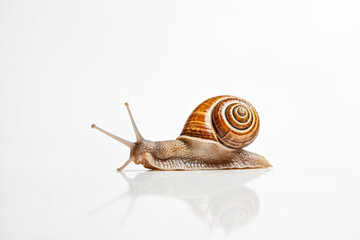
point(219, 198)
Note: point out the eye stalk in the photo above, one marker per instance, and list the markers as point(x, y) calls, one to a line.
point(119, 139)
point(127, 143)
point(139, 138)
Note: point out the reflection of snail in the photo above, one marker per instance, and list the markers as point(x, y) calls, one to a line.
point(234, 208)
point(218, 198)
point(212, 138)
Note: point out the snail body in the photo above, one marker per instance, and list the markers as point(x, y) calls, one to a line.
point(213, 138)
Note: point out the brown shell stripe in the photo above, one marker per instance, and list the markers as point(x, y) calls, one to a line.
point(238, 116)
point(230, 131)
point(199, 122)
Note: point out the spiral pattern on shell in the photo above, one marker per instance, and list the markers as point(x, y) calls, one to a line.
point(230, 120)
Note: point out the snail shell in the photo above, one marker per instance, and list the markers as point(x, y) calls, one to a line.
point(229, 120)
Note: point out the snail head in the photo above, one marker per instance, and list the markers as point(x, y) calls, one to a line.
point(139, 150)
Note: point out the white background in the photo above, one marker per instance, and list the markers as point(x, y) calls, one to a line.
point(67, 64)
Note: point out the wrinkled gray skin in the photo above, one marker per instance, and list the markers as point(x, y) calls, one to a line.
point(188, 153)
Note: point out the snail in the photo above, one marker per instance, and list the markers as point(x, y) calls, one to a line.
point(213, 138)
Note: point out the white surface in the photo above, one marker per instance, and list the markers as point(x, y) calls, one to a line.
point(67, 64)
point(251, 204)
